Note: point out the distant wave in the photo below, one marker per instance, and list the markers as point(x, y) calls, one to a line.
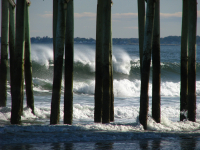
point(84, 61)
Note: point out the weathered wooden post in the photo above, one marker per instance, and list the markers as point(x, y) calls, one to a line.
point(144, 97)
point(141, 26)
point(99, 57)
point(11, 37)
point(69, 60)
point(4, 52)
point(18, 79)
point(28, 62)
point(111, 93)
point(192, 5)
point(106, 61)
point(58, 63)
point(156, 65)
point(184, 62)
point(103, 65)
point(111, 77)
point(55, 13)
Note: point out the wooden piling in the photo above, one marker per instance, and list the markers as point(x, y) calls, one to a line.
point(192, 5)
point(18, 78)
point(28, 63)
point(184, 62)
point(156, 65)
point(99, 57)
point(55, 13)
point(106, 61)
point(144, 97)
point(69, 61)
point(112, 96)
point(4, 52)
point(11, 38)
point(58, 63)
point(111, 79)
point(141, 27)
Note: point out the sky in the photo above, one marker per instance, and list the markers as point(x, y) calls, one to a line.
point(124, 18)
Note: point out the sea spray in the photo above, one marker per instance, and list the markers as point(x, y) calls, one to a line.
point(42, 54)
point(121, 61)
point(85, 56)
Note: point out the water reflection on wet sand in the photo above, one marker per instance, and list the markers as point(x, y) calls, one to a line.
point(183, 143)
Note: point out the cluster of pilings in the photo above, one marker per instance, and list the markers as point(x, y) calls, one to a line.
point(63, 39)
point(63, 35)
point(20, 58)
point(149, 45)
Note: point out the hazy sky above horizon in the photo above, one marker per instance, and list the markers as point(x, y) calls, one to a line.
point(124, 18)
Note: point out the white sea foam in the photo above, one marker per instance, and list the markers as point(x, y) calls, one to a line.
point(127, 88)
point(168, 125)
point(36, 128)
point(125, 127)
point(83, 112)
point(84, 87)
point(123, 117)
point(122, 88)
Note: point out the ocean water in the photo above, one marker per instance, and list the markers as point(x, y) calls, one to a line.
point(125, 132)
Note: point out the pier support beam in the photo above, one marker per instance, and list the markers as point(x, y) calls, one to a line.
point(103, 65)
point(98, 72)
point(144, 96)
point(69, 61)
point(55, 13)
point(58, 63)
point(192, 5)
point(12, 39)
point(4, 52)
point(156, 65)
point(18, 78)
point(111, 78)
point(106, 70)
point(28, 63)
point(141, 26)
point(184, 62)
